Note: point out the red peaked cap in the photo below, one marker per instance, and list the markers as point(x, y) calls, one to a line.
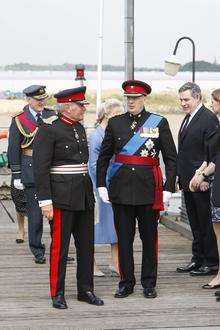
point(135, 88)
point(76, 95)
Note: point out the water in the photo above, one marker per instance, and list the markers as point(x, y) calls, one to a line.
point(57, 80)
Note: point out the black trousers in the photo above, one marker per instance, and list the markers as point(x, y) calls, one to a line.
point(35, 223)
point(125, 223)
point(204, 246)
point(81, 225)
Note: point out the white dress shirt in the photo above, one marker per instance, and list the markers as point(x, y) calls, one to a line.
point(194, 112)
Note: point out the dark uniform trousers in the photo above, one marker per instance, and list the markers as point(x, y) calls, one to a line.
point(35, 223)
point(81, 225)
point(125, 224)
point(199, 214)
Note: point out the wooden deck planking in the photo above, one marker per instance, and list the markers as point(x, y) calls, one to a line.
point(25, 302)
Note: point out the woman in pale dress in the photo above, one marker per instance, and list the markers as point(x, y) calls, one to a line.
point(104, 226)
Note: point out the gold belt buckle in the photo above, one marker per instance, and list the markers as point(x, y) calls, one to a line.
point(27, 152)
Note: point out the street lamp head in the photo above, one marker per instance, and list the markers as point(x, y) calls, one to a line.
point(172, 65)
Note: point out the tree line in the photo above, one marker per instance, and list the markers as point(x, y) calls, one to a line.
point(200, 66)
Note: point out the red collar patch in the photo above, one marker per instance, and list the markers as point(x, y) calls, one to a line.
point(67, 120)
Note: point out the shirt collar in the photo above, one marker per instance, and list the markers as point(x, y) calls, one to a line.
point(138, 116)
point(195, 111)
point(34, 113)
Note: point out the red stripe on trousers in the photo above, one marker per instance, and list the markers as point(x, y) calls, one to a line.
point(55, 251)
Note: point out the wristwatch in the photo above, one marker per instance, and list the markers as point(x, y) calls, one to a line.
point(204, 175)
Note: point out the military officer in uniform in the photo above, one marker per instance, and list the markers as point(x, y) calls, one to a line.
point(23, 129)
point(66, 195)
point(136, 188)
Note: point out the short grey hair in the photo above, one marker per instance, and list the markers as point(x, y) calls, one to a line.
point(194, 89)
point(61, 106)
point(107, 107)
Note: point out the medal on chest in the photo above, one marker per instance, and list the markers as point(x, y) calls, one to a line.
point(133, 125)
point(76, 134)
point(149, 149)
point(149, 132)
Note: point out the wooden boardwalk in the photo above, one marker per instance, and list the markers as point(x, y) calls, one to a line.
point(25, 302)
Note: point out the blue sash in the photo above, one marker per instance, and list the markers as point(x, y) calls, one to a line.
point(134, 144)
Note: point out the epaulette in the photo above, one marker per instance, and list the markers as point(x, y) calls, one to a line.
point(17, 114)
point(49, 109)
point(50, 120)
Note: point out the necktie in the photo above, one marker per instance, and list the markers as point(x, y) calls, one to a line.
point(39, 119)
point(185, 123)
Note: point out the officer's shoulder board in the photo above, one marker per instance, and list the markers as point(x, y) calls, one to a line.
point(48, 109)
point(50, 120)
point(17, 114)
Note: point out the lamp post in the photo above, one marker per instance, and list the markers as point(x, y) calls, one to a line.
point(80, 69)
point(129, 39)
point(172, 65)
point(100, 56)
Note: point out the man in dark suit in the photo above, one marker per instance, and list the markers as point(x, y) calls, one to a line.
point(136, 188)
point(65, 194)
point(196, 126)
point(23, 129)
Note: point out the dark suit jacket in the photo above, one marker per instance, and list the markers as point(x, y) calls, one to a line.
point(134, 184)
point(213, 145)
point(213, 155)
point(216, 183)
point(192, 145)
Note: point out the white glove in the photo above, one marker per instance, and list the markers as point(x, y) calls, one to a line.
point(166, 198)
point(103, 193)
point(18, 184)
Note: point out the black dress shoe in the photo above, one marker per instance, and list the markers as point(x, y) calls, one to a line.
point(40, 260)
point(19, 240)
point(204, 271)
point(188, 268)
point(217, 294)
point(123, 292)
point(209, 287)
point(90, 298)
point(150, 293)
point(59, 302)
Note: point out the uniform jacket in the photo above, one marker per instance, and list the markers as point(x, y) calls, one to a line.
point(192, 146)
point(62, 144)
point(134, 184)
point(22, 165)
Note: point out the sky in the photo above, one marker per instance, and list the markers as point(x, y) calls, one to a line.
point(66, 31)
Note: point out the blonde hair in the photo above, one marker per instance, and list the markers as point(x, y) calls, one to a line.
point(109, 107)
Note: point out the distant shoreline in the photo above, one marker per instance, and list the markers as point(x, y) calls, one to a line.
point(200, 66)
